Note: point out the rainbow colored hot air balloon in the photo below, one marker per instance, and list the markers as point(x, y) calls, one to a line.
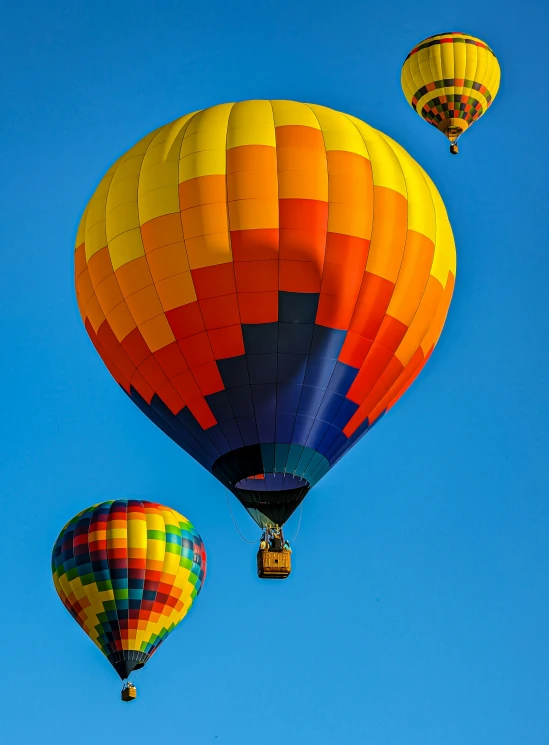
point(264, 280)
point(128, 571)
point(450, 80)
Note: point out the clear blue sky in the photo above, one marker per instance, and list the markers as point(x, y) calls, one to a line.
point(418, 612)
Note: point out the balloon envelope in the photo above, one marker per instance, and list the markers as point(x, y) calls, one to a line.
point(264, 280)
point(128, 572)
point(451, 80)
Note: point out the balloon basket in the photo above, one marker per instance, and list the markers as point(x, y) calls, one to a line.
point(273, 564)
point(129, 692)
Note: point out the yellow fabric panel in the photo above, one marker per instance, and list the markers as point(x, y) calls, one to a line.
point(81, 232)
point(386, 169)
point(207, 135)
point(447, 52)
point(460, 58)
point(292, 112)
point(421, 210)
point(471, 62)
point(95, 231)
point(125, 247)
point(339, 133)
point(137, 535)
point(445, 253)
point(251, 123)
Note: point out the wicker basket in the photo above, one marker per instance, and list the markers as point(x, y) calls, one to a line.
point(273, 564)
point(129, 693)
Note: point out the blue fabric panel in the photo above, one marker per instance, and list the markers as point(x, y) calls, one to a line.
point(342, 378)
point(219, 440)
point(295, 338)
point(233, 371)
point(268, 457)
point(191, 425)
point(302, 428)
point(346, 411)
point(260, 338)
point(297, 307)
point(284, 426)
point(310, 400)
point(265, 411)
point(338, 442)
point(220, 405)
point(232, 433)
point(248, 429)
point(330, 405)
point(319, 371)
point(291, 368)
point(332, 433)
point(318, 430)
point(241, 401)
point(287, 399)
point(327, 342)
point(262, 368)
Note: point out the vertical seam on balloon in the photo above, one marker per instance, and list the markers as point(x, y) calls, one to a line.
point(366, 261)
point(277, 294)
point(235, 286)
point(117, 652)
point(477, 52)
point(363, 271)
point(319, 293)
point(384, 139)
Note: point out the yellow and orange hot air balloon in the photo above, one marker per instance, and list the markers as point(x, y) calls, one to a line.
point(265, 279)
point(451, 80)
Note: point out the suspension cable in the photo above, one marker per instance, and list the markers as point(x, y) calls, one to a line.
point(234, 521)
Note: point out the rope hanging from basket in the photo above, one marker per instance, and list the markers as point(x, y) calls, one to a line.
point(235, 523)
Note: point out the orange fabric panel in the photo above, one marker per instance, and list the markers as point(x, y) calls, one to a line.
point(401, 385)
point(301, 158)
point(252, 172)
point(108, 294)
point(196, 349)
point(207, 219)
point(202, 190)
point(351, 194)
point(255, 245)
point(391, 333)
point(171, 398)
point(168, 261)
point(220, 311)
point(300, 276)
point(256, 276)
point(153, 373)
point(115, 351)
point(354, 350)
point(372, 303)
point(136, 347)
point(186, 320)
point(171, 360)
point(258, 307)
point(303, 229)
point(213, 281)
point(134, 276)
point(375, 363)
point(186, 386)
point(388, 233)
point(100, 266)
point(208, 378)
point(145, 390)
point(144, 305)
point(412, 277)
point(383, 384)
point(341, 279)
point(80, 259)
point(162, 231)
point(202, 413)
point(226, 342)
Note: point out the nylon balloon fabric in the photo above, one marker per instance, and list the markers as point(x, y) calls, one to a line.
point(451, 80)
point(264, 280)
point(128, 572)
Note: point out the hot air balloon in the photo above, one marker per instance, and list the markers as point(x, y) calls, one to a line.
point(264, 280)
point(128, 571)
point(450, 80)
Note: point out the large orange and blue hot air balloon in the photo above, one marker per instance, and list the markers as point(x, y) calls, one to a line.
point(264, 280)
point(128, 571)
